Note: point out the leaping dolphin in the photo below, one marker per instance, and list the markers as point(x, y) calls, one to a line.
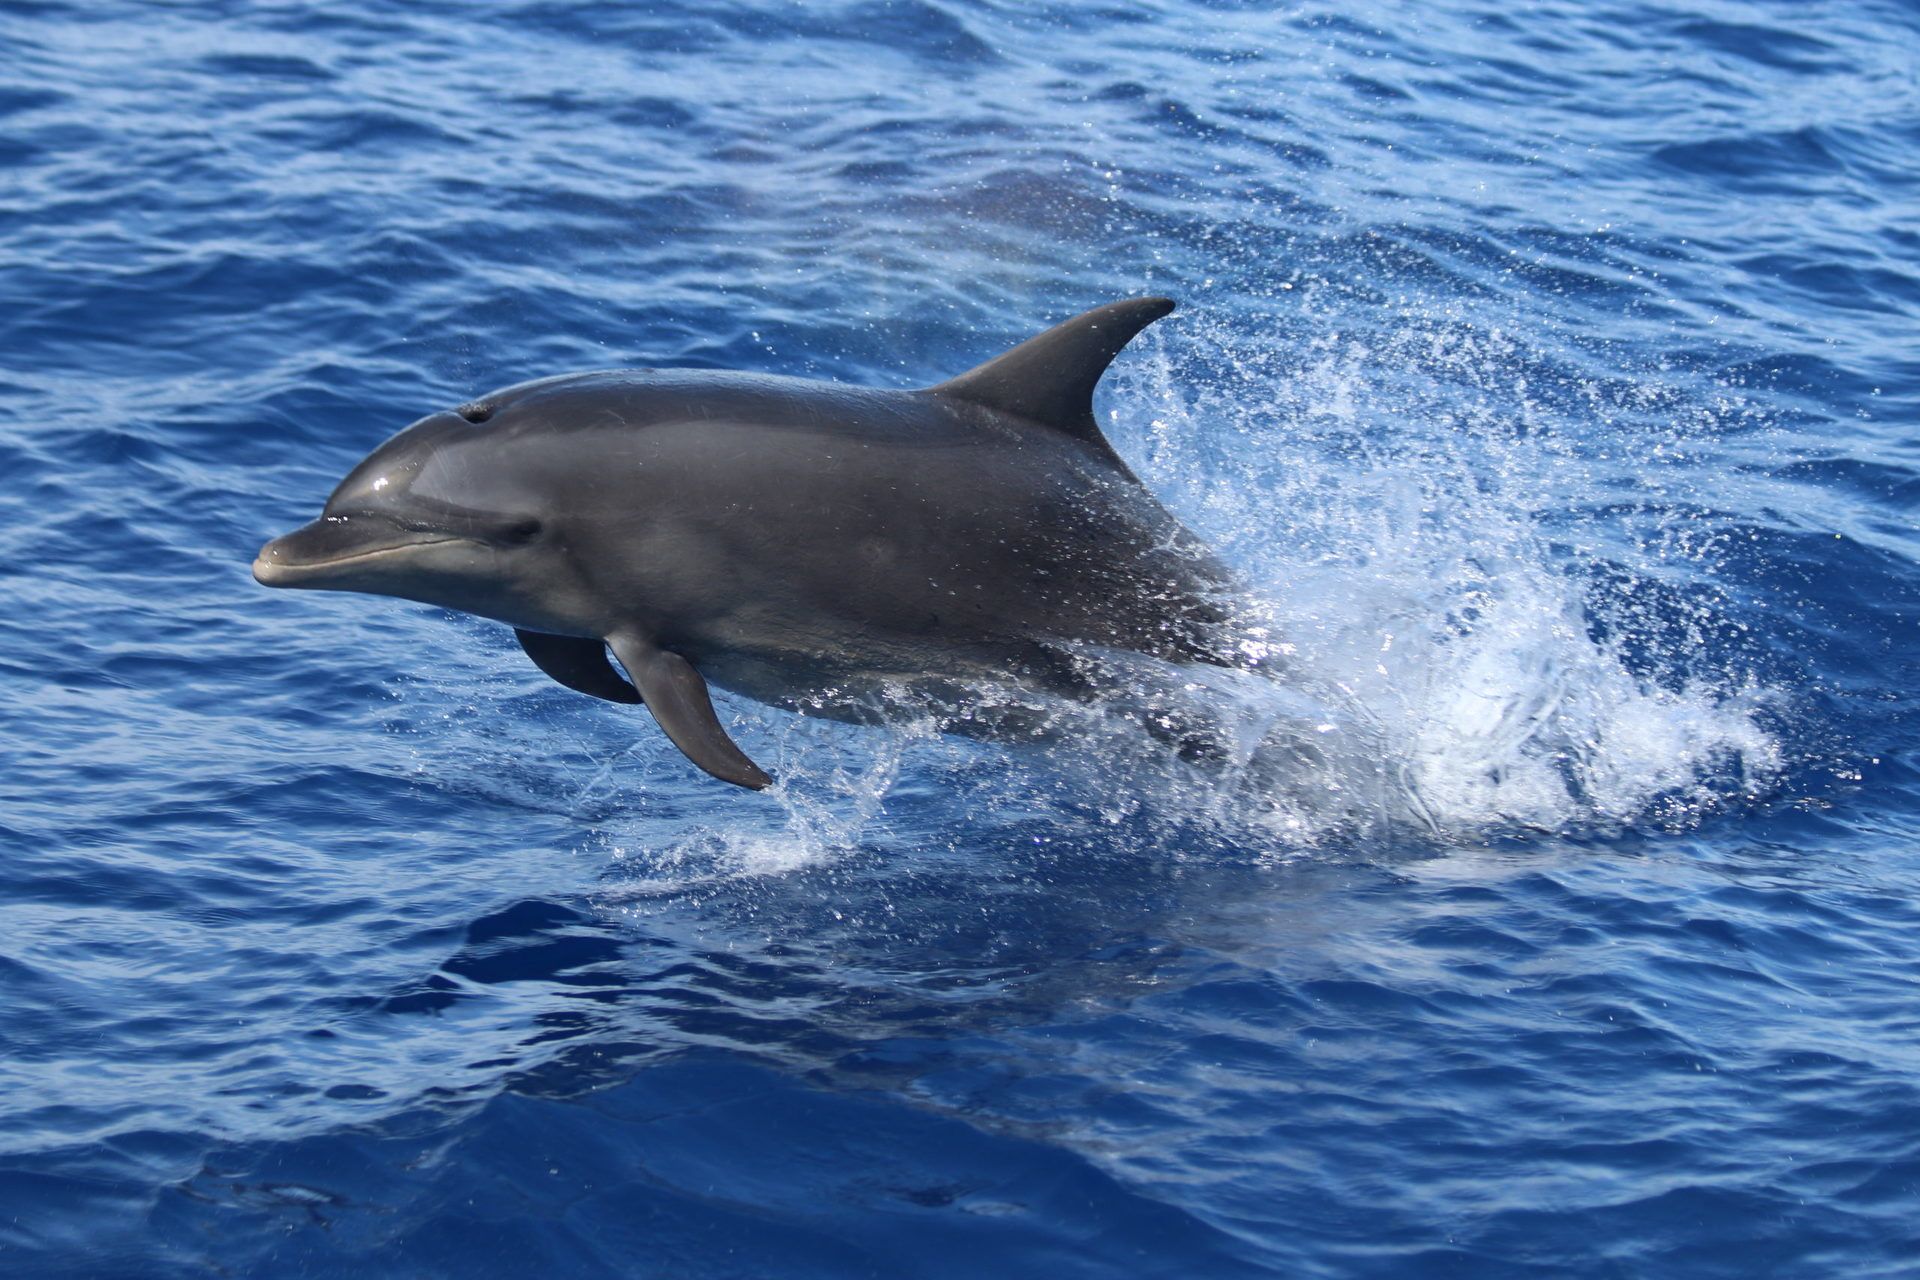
point(805, 544)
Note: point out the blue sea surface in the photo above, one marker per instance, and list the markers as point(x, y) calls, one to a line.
point(1549, 372)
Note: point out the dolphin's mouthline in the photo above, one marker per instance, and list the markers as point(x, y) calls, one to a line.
point(282, 566)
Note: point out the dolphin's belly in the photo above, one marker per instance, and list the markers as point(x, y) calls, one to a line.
point(977, 699)
point(848, 681)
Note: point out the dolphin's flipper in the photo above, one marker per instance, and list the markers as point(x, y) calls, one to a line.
point(578, 664)
point(677, 696)
point(1049, 379)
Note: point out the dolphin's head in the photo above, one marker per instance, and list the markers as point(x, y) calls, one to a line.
point(446, 512)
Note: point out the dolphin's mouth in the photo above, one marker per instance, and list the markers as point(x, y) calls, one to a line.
point(313, 553)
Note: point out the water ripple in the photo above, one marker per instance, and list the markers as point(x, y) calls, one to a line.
point(1546, 372)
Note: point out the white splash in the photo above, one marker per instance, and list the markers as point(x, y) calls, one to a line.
point(1436, 547)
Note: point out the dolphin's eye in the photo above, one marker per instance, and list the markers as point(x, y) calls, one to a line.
point(475, 412)
point(525, 531)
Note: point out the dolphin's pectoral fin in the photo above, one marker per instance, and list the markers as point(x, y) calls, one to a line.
point(677, 696)
point(578, 664)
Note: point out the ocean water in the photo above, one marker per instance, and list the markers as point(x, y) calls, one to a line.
point(1549, 373)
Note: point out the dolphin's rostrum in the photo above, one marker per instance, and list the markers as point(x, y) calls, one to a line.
point(805, 544)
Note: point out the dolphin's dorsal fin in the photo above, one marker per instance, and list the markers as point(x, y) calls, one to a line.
point(1049, 379)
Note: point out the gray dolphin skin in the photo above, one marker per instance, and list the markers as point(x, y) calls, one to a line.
point(804, 544)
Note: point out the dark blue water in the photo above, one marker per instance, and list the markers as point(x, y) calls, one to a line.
point(1549, 372)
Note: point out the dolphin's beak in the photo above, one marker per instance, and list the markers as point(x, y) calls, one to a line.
point(279, 562)
point(267, 569)
point(315, 554)
point(273, 567)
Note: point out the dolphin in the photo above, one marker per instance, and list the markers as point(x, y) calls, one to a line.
point(809, 545)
